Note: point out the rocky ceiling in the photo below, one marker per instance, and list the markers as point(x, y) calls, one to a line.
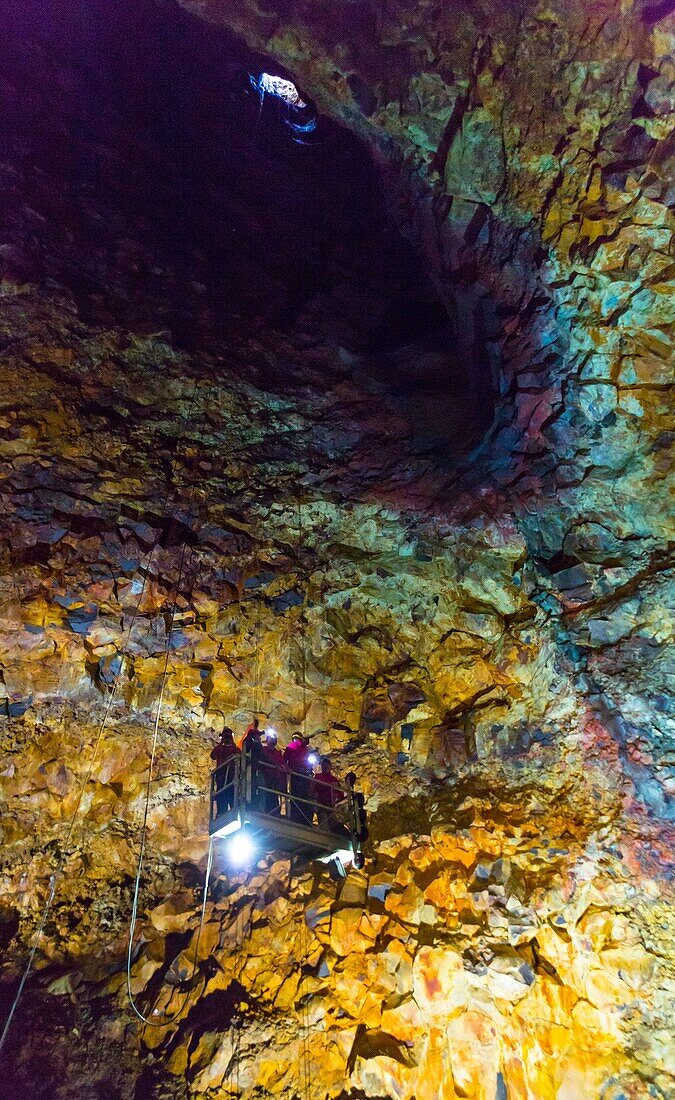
point(389, 404)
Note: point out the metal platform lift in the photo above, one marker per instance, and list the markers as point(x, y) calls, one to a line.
point(297, 825)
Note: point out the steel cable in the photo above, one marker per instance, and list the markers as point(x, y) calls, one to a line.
point(148, 787)
point(303, 633)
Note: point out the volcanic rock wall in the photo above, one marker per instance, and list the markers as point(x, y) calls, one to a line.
point(482, 637)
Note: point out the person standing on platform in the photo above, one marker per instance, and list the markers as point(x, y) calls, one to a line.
point(225, 753)
point(327, 791)
point(296, 757)
point(273, 770)
point(254, 725)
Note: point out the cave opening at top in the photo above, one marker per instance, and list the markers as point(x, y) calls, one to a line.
point(164, 187)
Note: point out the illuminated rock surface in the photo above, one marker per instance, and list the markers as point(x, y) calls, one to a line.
point(212, 380)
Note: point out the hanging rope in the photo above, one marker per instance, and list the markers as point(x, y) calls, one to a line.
point(195, 958)
point(83, 786)
point(29, 964)
point(235, 1028)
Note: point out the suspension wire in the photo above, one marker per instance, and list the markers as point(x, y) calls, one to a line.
point(256, 662)
point(233, 1068)
point(167, 1019)
point(303, 633)
point(306, 1075)
point(90, 768)
point(244, 933)
point(255, 679)
point(302, 1065)
point(230, 1067)
point(232, 1030)
point(139, 869)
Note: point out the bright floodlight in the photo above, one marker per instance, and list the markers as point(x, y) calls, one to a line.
point(345, 856)
point(313, 759)
point(241, 848)
point(269, 84)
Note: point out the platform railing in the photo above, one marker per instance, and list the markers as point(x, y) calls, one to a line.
point(225, 788)
point(240, 783)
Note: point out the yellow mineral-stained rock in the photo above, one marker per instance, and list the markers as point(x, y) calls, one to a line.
point(408, 905)
point(473, 1049)
point(439, 982)
point(174, 914)
point(453, 848)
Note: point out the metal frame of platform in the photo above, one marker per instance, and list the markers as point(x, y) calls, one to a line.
point(237, 784)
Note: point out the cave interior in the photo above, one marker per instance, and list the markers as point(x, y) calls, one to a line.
point(354, 417)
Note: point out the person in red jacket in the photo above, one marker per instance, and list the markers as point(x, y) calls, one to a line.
point(273, 769)
point(253, 730)
point(224, 753)
point(328, 792)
